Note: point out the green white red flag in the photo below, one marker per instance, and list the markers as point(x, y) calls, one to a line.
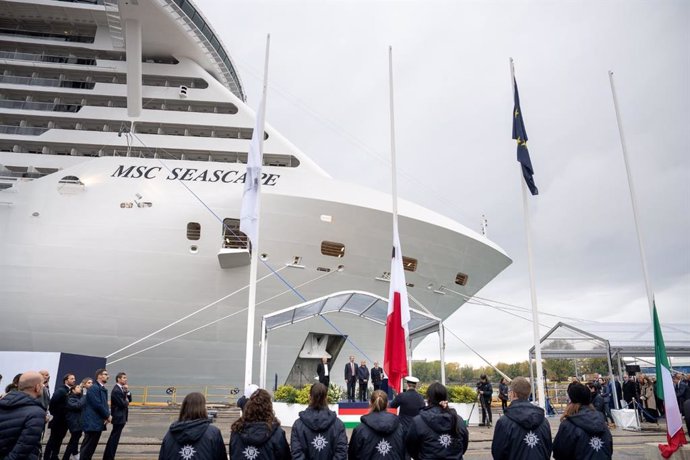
point(665, 391)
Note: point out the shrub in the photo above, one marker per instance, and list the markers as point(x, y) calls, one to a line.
point(287, 394)
point(303, 394)
point(461, 394)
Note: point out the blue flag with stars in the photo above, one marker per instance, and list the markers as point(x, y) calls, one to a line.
point(520, 135)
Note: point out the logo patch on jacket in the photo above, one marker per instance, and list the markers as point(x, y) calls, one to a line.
point(596, 443)
point(445, 440)
point(383, 447)
point(319, 442)
point(531, 440)
point(250, 452)
point(187, 452)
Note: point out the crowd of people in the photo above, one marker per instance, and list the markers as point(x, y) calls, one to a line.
point(27, 408)
point(426, 427)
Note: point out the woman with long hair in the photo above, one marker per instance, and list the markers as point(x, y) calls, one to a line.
point(380, 435)
point(193, 436)
point(75, 404)
point(438, 432)
point(257, 433)
point(318, 433)
point(583, 433)
point(648, 399)
point(503, 394)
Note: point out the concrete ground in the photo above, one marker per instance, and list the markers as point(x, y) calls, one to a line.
point(144, 432)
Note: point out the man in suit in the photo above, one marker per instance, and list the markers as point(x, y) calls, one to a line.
point(363, 378)
point(120, 398)
point(45, 396)
point(376, 376)
point(95, 415)
point(58, 425)
point(351, 378)
point(323, 371)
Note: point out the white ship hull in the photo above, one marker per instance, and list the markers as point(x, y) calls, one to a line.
point(97, 254)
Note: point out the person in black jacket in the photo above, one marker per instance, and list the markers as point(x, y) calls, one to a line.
point(248, 392)
point(438, 432)
point(630, 392)
point(376, 376)
point(363, 379)
point(257, 433)
point(503, 394)
point(75, 404)
point(192, 436)
point(485, 391)
point(58, 424)
point(318, 433)
point(351, 378)
point(120, 397)
point(583, 433)
point(323, 370)
point(380, 435)
point(524, 433)
point(22, 419)
point(410, 402)
point(595, 398)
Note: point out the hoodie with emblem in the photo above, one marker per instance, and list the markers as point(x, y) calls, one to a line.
point(379, 436)
point(193, 440)
point(583, 436)
point(318, 435)
point(438, 434)
point(522, 434)
point(259, 440)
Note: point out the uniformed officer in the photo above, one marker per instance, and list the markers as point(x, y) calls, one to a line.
point(410, 402)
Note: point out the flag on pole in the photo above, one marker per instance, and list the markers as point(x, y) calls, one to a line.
point(664, 387)
point(520, 135)
point(395, 352)
point(249, 214)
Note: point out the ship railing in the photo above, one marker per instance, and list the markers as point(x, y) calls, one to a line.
point(24, 130)
point(161, 395)
point(38, 81)
point(16, 55)
point(47, 35)
point(46, 106)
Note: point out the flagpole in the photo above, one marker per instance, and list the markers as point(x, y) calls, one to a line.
point(533, 290)
point(394, 179)
point(251, 308)
point(633, 198)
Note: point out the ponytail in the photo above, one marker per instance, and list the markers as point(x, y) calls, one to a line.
point(378, 402)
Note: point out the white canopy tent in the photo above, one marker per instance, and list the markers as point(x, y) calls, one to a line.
point(363, 304)
point(611, 340)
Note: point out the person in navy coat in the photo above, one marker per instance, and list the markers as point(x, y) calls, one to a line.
point(120, 397)
point(58, 425)
point(95, 416)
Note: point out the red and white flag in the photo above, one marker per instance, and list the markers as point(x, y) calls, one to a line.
point(395, 353)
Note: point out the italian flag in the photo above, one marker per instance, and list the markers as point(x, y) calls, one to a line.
point(664, 386)
point(395, 353)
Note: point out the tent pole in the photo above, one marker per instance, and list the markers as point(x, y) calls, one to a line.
point(442, 352)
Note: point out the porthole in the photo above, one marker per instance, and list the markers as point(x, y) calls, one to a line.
point(193, 231)
point(409, 264)
point(461, 279)
point(333, 249)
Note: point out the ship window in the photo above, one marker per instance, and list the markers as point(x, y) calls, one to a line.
point(461, 279)
point(233, 238)
point(193, 231)
point(409, 264)
point(330, 248)
point(70, 180)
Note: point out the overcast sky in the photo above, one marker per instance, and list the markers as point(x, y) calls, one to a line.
point(328, 94)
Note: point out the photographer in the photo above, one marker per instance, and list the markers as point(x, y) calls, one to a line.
point(485, 393)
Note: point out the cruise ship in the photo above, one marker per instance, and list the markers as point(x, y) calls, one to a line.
point(124, 131)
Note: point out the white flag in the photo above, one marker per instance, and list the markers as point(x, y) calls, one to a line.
point(251, 203)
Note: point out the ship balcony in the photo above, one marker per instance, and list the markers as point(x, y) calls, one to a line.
point(15, 55)
point(54, 82)
point(43, 106)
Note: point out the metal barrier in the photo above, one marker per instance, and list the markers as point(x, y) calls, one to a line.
point(163, 396)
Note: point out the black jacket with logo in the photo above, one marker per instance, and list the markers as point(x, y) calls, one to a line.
point(379, 436)
point(583, 436)
point(431, 435)
point(318, 435)
point(193, 440)
point(523, 434)
point(258, 440)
